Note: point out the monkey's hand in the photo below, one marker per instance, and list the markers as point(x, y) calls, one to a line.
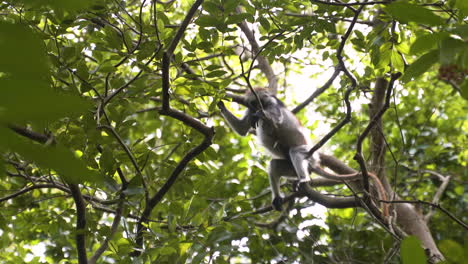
point(277, 203)
point(255, 117)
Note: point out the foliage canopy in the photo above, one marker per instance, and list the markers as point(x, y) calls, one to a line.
point(101, 160)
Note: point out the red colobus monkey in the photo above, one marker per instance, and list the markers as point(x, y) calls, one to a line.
point(279, 131)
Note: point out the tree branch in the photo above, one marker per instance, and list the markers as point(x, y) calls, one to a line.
point(263, 63)
point(341, 67)
point(38, 137)
point(113, 230)
point(351, 4)
point(318, 91)
point(359, 157)
point(80, 236)
point(445, 181)
point(207, 131)
point(153, 201)
point(437, 206)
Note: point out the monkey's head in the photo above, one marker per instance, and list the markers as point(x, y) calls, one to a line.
point(264, 96)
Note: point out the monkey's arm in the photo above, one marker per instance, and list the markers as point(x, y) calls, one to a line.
point(240, 126)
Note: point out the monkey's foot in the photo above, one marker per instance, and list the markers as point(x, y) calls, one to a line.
point(295, 186)
point(277, 203)
point(306, 179)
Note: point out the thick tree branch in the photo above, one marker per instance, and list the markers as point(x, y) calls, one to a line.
point(154, 200)
point(38, 137)
point(437, 206)
point(80, 223)
point(329, 201)
point(375, 119)
point(208, 132)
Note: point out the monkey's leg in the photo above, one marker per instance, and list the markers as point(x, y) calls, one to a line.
point(301, 164)
point(278, 168)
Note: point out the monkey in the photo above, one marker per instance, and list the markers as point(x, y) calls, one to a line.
point(283, 136)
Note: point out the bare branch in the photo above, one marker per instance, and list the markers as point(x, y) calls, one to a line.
point(341, 66)
point(318, 91)
point(113, 230)
point(263, 63)
point(435, 200)
point(25, 190)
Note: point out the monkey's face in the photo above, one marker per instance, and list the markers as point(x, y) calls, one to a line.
point(264, 97)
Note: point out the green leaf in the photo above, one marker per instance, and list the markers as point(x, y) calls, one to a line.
point(69, 54)
point(135, 186)
point(213, 67)
point(452, 251)
point(106, 161)
point(397, 60)
point(237, 18)
point(264, 22)
point(161, 26)
point(424, 43)
point(208, 21)
point(55, 157)
point(464, 89)
point(461, 30)
point(30, 100)
point(420, 66)
point(69, 5)
point(384, 58)
point(463, 6)
point(412, 252)
point(405, 12)
point(167, 251)
point(2, 169)
point(217, 73)
point(23, 55)
point(212, 8)
point(230, 6)
point(449, 48)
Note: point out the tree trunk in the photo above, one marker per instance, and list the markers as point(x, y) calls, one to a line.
point(407, 217)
